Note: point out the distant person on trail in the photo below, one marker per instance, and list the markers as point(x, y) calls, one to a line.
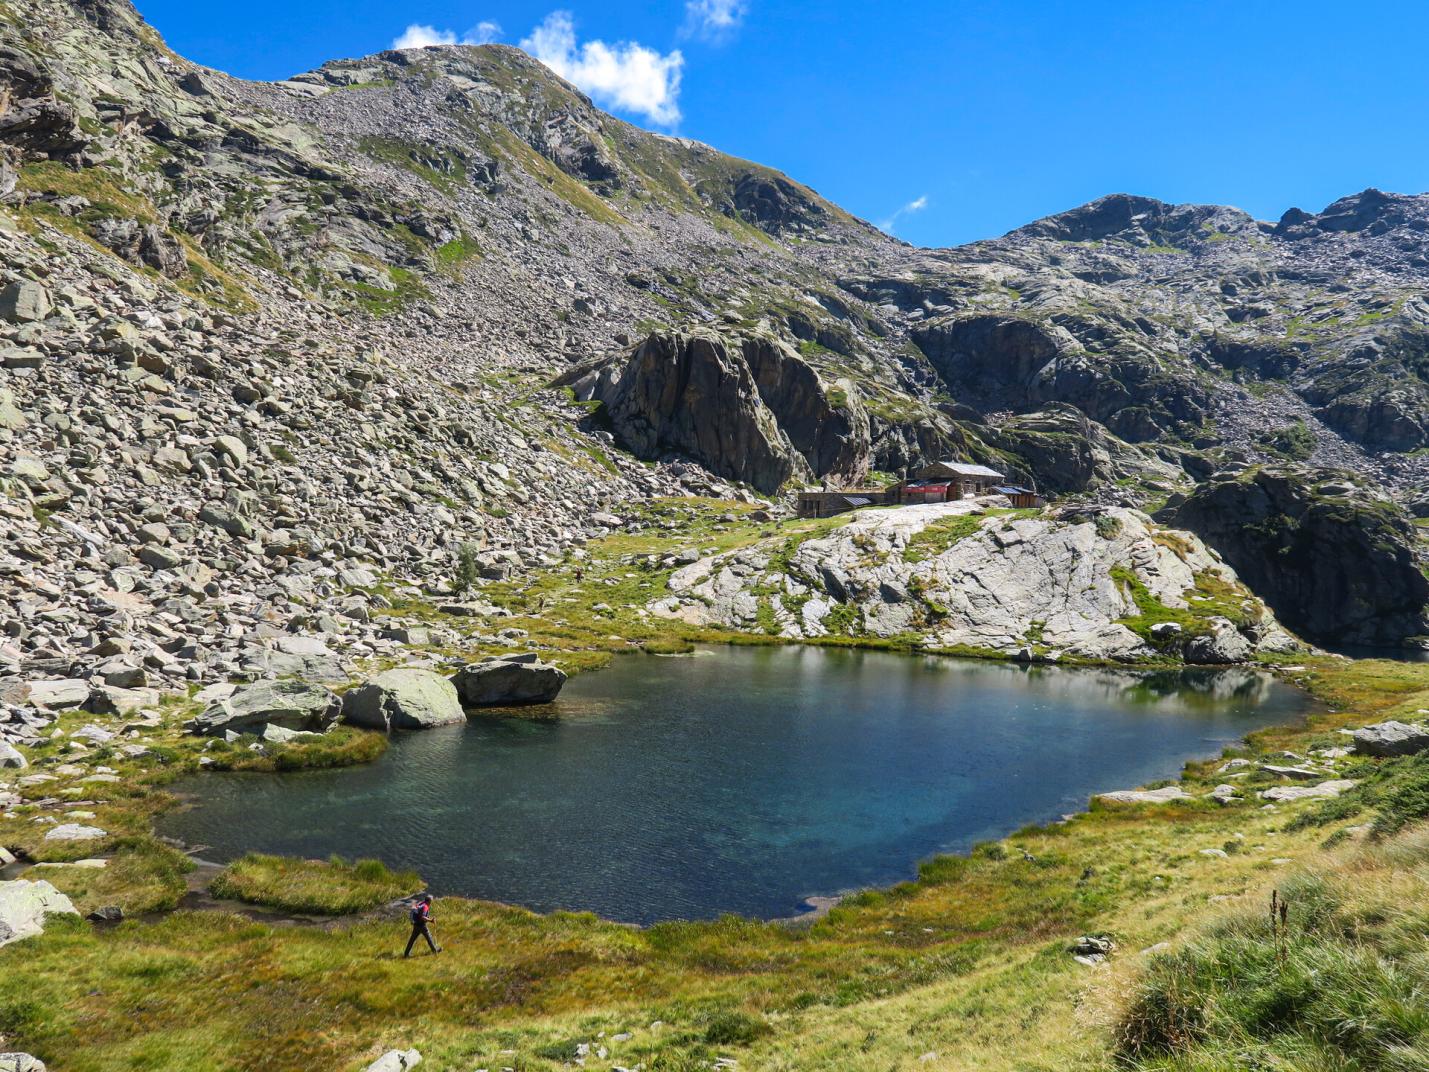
point(421, 916)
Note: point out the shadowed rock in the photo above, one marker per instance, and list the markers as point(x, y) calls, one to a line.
point(508, 681)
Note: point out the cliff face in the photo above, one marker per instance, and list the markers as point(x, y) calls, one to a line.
point(1338, 563)
point(974, 574)
point(748, 408)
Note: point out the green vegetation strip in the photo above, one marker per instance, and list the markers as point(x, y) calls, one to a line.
point(333, 887)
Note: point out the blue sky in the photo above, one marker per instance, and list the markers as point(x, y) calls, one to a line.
point(946, 121)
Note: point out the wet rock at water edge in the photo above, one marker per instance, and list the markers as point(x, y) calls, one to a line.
point(294, 705)
point(403, 699)
point(508, 680)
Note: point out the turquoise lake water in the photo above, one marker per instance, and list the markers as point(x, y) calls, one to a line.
point(739, 779)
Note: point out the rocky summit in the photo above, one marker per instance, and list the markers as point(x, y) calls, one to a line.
point(277, 354)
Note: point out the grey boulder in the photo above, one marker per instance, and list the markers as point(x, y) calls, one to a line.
point(1223, 644)
point(508, 680)
point(25, 301)
point(403, 699)
point(24, 906)
point(11, 757)
point(294, 705)
point(1391, 739)
point(20, 1062)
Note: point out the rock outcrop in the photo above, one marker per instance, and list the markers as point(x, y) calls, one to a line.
point(508, 681)
point(24, 906)
point(403, 699)
point(747, 408)
point(974, 574)
point(1337, 563)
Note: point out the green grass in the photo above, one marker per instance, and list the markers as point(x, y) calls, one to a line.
point(938, 536)
point(333, 887)
point(418, 159)
point(1212, 597)
point(1341, 986)
point(457, 251)
point(341, 746)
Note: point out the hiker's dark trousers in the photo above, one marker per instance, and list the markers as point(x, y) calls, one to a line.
point(419, 929)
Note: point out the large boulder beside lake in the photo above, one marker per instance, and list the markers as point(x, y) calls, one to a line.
point(1391, 739)
point(293, 705)
point(403, 699)
point(508, 681)
point(25, 905)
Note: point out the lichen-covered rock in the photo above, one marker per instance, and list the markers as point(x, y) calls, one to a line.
point(75, 832)
point(403, 699)
point(294, 705)
point(503, 681)
point(1391, 739)
point(24, 906)
point(20, 1062)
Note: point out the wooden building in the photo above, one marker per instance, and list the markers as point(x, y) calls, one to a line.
point(939, 482)
point(949, 481)
point(1022, 498)
point(830, 503)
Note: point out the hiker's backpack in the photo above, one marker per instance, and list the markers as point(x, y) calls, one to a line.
point(418, 916)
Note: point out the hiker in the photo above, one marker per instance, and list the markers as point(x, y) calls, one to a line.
point(421, 916)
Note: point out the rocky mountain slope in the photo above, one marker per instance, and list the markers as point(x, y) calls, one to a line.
point(277, 354)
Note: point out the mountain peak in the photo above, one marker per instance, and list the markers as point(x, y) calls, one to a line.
point(1140, 220)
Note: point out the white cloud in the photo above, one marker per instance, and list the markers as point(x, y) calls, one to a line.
point(714, 20)
point(625, 75)
point(483, 33)
point(418, 35)
point(918, 204)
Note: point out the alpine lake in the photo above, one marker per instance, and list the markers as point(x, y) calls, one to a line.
point(738, 779)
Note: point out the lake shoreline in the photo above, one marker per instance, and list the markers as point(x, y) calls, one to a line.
point(912, 862)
